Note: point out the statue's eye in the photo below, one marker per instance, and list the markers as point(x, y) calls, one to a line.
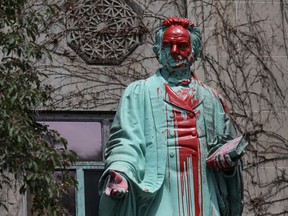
point(183, 45)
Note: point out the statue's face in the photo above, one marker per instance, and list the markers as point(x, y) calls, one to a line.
point(176, 48)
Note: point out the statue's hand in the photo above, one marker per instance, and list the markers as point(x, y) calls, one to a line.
point(117, 185)
point(224, 162)
point(227, 155)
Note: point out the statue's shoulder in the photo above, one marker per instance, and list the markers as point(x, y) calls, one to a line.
point(143, 82)
point(213, 93)
point(208, 90)
point(139, 88)
point(134, 88)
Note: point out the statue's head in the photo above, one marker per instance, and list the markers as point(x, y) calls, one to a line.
point(177, 43)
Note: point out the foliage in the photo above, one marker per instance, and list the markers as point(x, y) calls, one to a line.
point(24, 152)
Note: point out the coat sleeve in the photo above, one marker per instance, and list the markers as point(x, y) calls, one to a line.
point(125, 152)
point(125, 149)
point(229, 183)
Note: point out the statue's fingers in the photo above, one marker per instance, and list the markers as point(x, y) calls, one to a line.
point(114, 192)
point(119, 193)
point(223, 161)
point(218, 162)
point(108, 191)
point(215, 165)
point(229, 161)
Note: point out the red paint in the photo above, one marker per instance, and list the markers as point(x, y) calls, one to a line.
point(167, 126)
point(225, 149)
point(184, 101)
point(222, 101)
point(159, 92)
point(183, 93)
point(115, 184)
point(200, 185)
point(178, 21)
point(187, 140)
point(177, 38)
point(187, 144)
point(184, 82)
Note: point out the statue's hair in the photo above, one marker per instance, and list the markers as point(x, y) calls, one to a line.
point(195, 36)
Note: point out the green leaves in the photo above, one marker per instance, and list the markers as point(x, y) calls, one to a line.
point(24, 151)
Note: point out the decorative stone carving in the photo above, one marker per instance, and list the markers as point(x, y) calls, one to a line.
point(104, 32)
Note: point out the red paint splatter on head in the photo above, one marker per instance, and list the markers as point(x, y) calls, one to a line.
point(177, 38)
point(178, 21)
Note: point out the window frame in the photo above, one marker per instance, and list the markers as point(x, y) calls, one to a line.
point(105, 118)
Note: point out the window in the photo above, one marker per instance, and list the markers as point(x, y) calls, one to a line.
point(86, 134)
point(85, 138)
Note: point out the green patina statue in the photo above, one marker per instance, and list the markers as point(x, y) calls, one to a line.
point(173, 150)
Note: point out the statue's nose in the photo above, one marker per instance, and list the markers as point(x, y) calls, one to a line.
point(174, 52)
point(174, 49)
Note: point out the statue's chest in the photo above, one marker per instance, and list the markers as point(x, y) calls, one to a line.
point(182, 119)
point(182, 129)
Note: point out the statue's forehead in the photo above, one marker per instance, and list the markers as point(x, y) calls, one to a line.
point(176, 31)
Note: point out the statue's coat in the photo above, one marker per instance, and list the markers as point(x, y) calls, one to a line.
point(137, 148)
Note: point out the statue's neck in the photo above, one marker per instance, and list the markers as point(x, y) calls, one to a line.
point(175, 77)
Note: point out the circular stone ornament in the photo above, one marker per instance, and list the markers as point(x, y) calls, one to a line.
point(104, 32)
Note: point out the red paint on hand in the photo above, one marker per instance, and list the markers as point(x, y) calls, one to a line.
point(116, 184)
point(219, 160)
point(177, 39)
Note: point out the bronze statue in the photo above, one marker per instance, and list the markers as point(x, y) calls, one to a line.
point(173, 149)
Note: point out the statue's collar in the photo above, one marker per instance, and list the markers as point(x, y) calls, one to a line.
point(175, 78)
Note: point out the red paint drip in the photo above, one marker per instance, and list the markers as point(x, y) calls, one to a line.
point(194, 76)
point(188, 142)
point(159, 92)
point(186, 138)
point(167, 134)
point(200, 185)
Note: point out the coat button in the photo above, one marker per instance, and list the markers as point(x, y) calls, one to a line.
point(172, 154)
point(191, 115)
point(194, 133)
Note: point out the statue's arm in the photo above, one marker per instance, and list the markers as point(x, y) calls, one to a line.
point(228, 171)
point(125, 149)
point(228, 146)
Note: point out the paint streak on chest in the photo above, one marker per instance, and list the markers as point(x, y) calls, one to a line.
point(187, 144)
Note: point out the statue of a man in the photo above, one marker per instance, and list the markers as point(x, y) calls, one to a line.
point(164, 130)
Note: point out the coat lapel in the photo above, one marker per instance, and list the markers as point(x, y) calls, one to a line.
point(188, 103)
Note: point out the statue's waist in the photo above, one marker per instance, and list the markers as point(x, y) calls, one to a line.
point(183, 151)
point(182, 159)
point(184, 137)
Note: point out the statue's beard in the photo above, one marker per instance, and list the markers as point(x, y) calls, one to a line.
point(175, 71)
point(172, 64)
